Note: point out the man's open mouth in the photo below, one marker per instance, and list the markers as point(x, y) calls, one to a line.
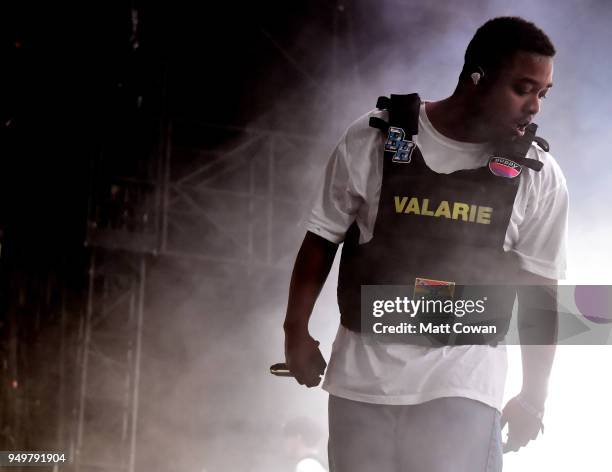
point(522, 126)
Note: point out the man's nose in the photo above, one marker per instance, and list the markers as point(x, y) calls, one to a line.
point(533, 105)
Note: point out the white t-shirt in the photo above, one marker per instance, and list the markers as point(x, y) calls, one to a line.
point(406, 374)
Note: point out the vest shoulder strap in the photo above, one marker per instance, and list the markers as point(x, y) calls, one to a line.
point(517, 149)
point(404, 113)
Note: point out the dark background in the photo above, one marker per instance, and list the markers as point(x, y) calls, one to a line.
point(157, 164)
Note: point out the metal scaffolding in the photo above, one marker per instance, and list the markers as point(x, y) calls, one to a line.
point(110, 356)
point(238, 206)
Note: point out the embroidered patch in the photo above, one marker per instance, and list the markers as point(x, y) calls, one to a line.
point(503, 167)
point(430, 288)
point(400, 147)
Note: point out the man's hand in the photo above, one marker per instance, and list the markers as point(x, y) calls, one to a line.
point(537, 305)
point(304, 358)
point(313, 262)
point(523, 426)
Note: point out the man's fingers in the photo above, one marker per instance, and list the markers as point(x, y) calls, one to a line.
point(513, 444)
point(306, 362)
point(320, 363)
point(310, 380)
point(308, 375)
point(507, 447)
point(314, 383)
point(522, 428)
point(318, 369)
point(303, 379)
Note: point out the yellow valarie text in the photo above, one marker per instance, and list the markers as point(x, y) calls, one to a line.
point(445, 209)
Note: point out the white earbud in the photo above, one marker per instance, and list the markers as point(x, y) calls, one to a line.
point(476, 76)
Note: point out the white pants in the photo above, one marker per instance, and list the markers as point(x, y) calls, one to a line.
point(452, 434)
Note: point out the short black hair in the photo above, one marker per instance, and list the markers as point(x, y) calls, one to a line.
point(498, 39)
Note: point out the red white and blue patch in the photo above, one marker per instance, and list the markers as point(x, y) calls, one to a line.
point(503, 167)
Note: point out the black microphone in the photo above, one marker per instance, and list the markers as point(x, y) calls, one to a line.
point(280, 370)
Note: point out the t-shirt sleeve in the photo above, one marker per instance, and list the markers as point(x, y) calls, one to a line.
point(336, 202)
point(541, 244)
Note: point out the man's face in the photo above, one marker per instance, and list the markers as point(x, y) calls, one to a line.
point(511, 102)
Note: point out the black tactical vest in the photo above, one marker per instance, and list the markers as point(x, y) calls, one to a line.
point(442, 227)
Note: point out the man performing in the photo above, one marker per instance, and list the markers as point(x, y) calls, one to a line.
point(409, 407)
